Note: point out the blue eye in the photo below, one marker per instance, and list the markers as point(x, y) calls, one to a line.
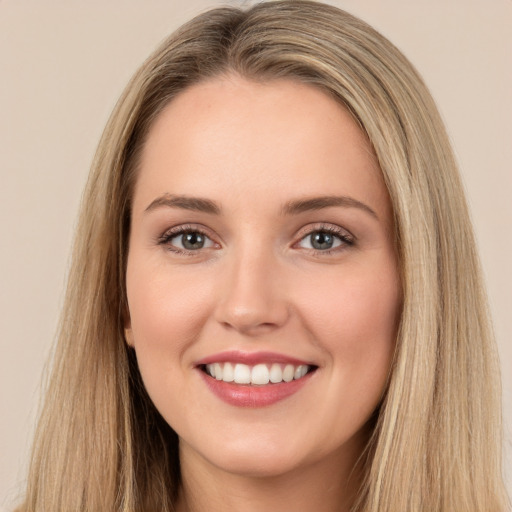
point(324, 240)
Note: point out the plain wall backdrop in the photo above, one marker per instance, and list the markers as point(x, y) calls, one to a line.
point(63, 65)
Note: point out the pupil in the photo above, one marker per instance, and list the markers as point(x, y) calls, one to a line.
point(193, 241)
point(321, 241)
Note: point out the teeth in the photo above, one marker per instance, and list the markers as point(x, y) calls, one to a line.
point(217, 371)
point(276, 373)
point(242, 374)
point(260, 374)
point(300, 371)
point(288, 372)
point(228, 375)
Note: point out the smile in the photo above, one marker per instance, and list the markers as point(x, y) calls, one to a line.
point(254, 379)
point(256, 375)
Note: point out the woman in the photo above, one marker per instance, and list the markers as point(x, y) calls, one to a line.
point(275, 295)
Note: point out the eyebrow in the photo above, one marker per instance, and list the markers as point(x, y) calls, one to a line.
point(186, 203)
point(318, 203)
point(290, 208)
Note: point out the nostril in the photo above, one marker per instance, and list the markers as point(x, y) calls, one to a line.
point(251, 304)
point(254, 329)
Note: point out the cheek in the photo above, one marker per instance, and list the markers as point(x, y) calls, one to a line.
point(354, 309)
point(354, 319)
point(165, 305)
point(167, 313)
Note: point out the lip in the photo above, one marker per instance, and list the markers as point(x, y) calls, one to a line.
point(241, 395)
point(251, 396)
point(250, 358)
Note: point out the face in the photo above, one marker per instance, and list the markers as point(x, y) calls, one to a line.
point(262, 279)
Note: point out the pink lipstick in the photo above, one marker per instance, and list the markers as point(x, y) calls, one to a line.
point(254, 379)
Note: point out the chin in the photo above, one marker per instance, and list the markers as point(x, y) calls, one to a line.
point(259, 466)
point(257, 457)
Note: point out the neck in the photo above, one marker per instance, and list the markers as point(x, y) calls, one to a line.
point(324, 486)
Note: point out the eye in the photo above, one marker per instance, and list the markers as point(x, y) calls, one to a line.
point(184, 240)
point(325, 240)
point(191, 241)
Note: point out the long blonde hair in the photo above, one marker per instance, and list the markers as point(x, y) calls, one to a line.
point(100, 443)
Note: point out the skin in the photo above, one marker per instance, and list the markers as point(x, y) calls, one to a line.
point(258, 284)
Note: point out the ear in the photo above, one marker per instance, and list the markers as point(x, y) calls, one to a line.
point(128, 331)
point(128, 336)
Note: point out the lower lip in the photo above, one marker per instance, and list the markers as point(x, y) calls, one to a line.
point(241, 395)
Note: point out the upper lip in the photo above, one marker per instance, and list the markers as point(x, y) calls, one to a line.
point(250, 358)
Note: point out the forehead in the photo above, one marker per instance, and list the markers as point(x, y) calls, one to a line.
point(230, 135)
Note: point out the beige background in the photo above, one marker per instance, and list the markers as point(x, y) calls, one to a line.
point(62, 66)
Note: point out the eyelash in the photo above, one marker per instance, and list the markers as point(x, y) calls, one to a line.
point(182, 230)
point(345, 238)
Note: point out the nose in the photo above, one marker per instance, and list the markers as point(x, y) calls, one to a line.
point(252, 297)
